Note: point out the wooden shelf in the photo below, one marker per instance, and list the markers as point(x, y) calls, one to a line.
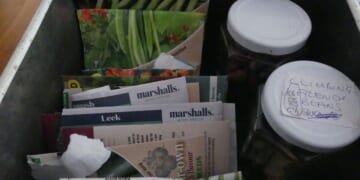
point(15, 16)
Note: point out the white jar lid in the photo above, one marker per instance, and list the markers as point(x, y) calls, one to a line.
point(310, 135)
point(275, 27)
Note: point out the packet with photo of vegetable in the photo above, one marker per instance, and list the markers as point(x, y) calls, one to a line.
point(134, 38)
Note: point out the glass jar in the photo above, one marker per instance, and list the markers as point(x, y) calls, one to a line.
point(260, 35)
point(279, 143)
point(257, 37)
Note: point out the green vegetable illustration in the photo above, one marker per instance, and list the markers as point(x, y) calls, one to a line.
point(173, 5)
point(154, 32)
point(99, 3)
point(191, 5)
point(140, 4)
point(177, 6)
point(164, 5)
point(149, 39)
point(121, 4)
point(120, 24)
point(129, 38)
point(152, 5)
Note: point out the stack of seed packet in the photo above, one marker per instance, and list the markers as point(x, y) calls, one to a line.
point(140, 107)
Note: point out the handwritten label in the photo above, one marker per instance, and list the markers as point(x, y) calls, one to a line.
point(321, 100)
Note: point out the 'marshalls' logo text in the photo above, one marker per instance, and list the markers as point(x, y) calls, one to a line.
point(192, 113)
point(158, 91)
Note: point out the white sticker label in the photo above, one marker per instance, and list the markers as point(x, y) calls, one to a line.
point(321, 100)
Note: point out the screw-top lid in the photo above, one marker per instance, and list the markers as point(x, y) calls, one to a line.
point(275, 27)
point(326, 114)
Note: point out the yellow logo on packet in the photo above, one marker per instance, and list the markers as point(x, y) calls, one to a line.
point(73, 84)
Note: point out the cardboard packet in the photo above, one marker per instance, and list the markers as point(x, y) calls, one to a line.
point(135, 114)
point(89, 92)
point(144, 36)
point(192, 88)
point(228, 114)
point(172, 90)
point(217, 138)
point(176, 158)
point(51, 125)
point(212, 88)
point(193, 92)
point(67, 93)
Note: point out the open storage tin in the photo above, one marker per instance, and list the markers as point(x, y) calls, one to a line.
point(56, 50)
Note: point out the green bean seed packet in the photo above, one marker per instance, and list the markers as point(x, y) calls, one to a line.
point(130, 38)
